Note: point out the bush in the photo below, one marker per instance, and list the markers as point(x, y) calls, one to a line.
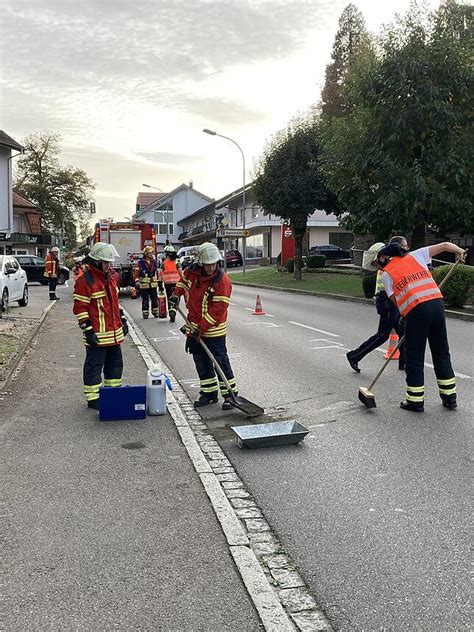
point(290, 265)
point(368, 284)
point(459, 290)
point(315, 261)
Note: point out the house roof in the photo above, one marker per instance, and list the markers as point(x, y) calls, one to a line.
point(145, 198)
point(23, 202)
point(169, 195)
point(8, 141)
point(221, 202)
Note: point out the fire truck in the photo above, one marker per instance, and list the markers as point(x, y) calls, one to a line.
point(129, 238)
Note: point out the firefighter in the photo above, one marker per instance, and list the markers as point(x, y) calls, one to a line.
point(409, 284)
point(51, 271)
point(389, 315)
point(208, 289)
point(169, 275)
point(146, 281)
point(101, 320)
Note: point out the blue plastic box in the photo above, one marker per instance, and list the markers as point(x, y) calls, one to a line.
point(122, 403)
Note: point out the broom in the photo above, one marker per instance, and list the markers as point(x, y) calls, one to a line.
point(366, 396)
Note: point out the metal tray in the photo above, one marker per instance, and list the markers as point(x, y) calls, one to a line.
point(270, 434)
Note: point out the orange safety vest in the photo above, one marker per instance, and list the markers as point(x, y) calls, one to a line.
point(412, 283)
point(169, 272)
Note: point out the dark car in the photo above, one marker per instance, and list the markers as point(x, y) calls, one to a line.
point(233, 258)
point(330, 252)
point(34, 268)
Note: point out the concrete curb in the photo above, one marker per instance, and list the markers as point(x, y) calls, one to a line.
point(344, 297)
point(19, 357)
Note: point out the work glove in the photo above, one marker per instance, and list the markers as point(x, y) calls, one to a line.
point(91, 338)
point(173, 302)
point(137, 285)
point(124, 322)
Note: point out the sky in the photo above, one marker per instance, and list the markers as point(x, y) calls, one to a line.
point(130, 84)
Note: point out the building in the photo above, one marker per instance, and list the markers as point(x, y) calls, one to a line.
point(169, 209)
point(7, 145)
point(264, 240)
point(145, 198)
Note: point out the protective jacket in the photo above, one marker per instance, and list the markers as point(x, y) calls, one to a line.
point(96, 304)
point(208, 298)
point(412, 283)
point(169, 272)
point(146, 273)
point(51, 267)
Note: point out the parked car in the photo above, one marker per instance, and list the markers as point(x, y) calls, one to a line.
point(233, 258)
point(13, 283)
point(330, 252)
point(34, 268)
point(186, 255)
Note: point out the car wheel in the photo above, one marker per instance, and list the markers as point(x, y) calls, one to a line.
point(23, 302)
point(4, 304)
point(62, 279)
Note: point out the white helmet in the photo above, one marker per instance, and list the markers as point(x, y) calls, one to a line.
point(169, 248)
point(54, 249)
point(370, 255)
point(208, 253)
point(101, 251)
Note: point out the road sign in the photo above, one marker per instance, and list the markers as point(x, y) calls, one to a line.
point(232, 232)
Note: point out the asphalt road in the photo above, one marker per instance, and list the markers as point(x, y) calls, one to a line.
point(374, 506)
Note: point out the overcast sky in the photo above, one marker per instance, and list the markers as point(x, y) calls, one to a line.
point(129, 84)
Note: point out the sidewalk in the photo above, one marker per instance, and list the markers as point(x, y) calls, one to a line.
point(100, 537)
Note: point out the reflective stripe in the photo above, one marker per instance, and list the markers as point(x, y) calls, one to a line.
point(379, 286)
point(216, 332)
point(92, 392)
point(416, 298)
point(113, 383)
point(210, 319)
point(82, 315)
point(83, 299)
point(416, 389)
point(448, 382)
point(414, 285)
point(100, 311)
point(211, 380)
point(448, 391)
point(222, 299)
point(100, 294)
point(415, 398)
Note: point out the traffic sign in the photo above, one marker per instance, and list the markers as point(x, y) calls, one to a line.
point(232, 232)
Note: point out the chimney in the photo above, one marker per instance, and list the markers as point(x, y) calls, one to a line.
point(190, 184)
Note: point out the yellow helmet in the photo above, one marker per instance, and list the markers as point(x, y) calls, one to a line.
point(148, 250)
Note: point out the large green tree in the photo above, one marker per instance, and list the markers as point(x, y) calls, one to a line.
point(288, 184)
point(402, 158)
point(62, 193)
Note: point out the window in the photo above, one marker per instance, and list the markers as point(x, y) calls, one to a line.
point(254, 245)
point(163, 214)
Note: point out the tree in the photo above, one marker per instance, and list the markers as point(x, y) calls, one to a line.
point(401, 158)
point(350, 38)
point(62, 193)
point(286, 182)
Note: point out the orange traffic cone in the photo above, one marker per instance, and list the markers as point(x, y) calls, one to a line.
point(392, 343)
point(258, 311)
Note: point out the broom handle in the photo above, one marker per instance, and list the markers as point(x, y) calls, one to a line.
point(400, 342)
point(208, 351)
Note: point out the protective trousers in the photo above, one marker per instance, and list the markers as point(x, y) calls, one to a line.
point(53, 283)
point(389, 317)
point(209, 383)
point(425, 322)
point(147, 294)
point(169, 289)
point(102, 359)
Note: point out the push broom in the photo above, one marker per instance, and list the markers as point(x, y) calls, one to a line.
point(366, 395)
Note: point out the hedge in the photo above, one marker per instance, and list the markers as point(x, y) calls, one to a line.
point(368, 284)
point(290, 265)
point(315, 261)
point(459, 290)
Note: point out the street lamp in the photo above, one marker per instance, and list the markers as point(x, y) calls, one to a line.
point(244, 240)
point(149, 186)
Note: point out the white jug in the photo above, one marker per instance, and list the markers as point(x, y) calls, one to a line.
point(156, 391)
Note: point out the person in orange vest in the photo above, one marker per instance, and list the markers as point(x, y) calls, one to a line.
point(409, 284)
point(208, 289)
point(51, 271)
point(169, 275)
point(146, 280)
point(101, 320)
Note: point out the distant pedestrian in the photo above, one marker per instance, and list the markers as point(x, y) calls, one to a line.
point(146, 281)
point(101, 320)
point(169, 275)
point(51, 271)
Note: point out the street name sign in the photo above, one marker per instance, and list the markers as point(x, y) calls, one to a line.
point(232, 232)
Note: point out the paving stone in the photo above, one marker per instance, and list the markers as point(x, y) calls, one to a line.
point(264, 536)
point(249, 512)
point(227, 477)
point(296, 599)
point(311, 621)
point(237, 493)
point(277, 561)
point(242, 502)
point(217, 461)
point(264, 548)
point(256, 524)
point(287, 578)
point(223, 470)
point(232, 484)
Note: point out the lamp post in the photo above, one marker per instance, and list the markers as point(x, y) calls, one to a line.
point(149, 186)
point(244, 240)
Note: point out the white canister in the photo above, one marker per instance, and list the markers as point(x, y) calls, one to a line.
point(156, 391)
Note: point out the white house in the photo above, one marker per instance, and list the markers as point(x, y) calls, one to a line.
point(7, 144)
point(170, 209)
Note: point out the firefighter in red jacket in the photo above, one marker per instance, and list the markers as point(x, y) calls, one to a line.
point(146, 280)
point(169, 275)
point(51, 271)
point(409, 284)
point(101, 320)
point(208, 291)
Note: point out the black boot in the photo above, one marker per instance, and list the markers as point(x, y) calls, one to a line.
point(354, 365)
point(415, 408)
point(205, 400)
point(172, 317)
point(93, 403)
point(450, 403)
point(145, 315)
point(227, 405)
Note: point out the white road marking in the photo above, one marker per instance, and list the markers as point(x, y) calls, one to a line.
point(430, 366)
point(326, 347)
point(321, 331)
point(261, 322)
point(165, 338)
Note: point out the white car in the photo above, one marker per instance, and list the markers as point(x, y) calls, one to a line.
point(13, 283)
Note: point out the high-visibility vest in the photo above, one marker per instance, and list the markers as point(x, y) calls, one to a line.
point(379, 286)
point(145, 273)
point(412, 283)
point(169, 272)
